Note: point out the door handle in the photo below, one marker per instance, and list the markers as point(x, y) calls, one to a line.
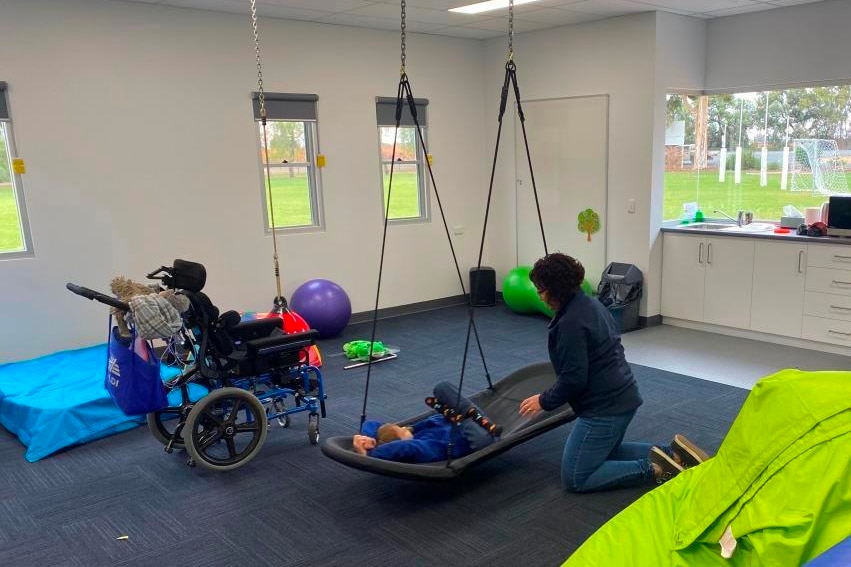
point(800, 261)
point(709, 253)
point(700, 254)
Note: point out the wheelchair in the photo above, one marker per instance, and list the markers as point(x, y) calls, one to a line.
point(246, 372)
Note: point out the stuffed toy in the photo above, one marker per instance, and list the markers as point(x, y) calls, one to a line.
point(125, 289)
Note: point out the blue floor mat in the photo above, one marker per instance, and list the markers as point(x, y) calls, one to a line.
point(59, 400)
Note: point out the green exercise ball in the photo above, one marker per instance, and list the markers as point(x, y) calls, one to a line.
point(520, 295)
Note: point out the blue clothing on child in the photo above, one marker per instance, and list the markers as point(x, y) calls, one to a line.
point(432, 435)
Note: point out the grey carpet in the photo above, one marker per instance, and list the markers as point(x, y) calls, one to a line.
point(292, 507)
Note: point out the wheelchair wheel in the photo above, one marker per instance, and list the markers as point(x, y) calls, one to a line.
point(162, 425)
point(313, 428)
point(225, 429)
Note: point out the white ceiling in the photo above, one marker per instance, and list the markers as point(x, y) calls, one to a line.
point(432, 17)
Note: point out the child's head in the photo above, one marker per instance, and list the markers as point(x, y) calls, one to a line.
point(392, 432)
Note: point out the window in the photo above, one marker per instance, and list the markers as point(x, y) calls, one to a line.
point(293, 147)
point(409, 201)
point(792, 147)
point(14, 227)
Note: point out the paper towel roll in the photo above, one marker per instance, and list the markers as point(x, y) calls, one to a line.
point(812, 214)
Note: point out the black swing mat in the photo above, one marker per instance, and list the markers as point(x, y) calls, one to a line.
point(499, 405)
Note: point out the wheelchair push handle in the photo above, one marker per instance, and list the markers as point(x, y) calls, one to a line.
point(97, 296)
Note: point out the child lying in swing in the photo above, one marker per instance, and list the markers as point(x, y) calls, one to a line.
point(428, 440)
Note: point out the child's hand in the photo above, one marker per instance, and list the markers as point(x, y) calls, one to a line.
point(362, 444)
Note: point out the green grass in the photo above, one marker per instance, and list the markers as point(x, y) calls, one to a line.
point(291, 198)
point(10, 224)
point(765, 202)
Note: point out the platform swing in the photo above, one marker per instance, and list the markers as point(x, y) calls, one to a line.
point(500, 400)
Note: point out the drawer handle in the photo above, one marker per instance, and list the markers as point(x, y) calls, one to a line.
point(839, 333)
point(840, 307)
point(841, 258)
point(837, 282)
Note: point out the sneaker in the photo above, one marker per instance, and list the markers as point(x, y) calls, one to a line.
point(690, 455)
point(668, 467)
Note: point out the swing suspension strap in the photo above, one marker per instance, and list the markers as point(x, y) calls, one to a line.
point(279, 302)
point(510, 80)
point(405, 94)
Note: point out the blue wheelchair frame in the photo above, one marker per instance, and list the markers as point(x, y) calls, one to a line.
point(245, 366)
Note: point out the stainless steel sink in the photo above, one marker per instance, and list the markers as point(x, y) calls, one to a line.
point(707, 226)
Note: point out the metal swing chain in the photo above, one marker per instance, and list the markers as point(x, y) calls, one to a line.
point(510, 30)
point(404, 56)
point(261, 96)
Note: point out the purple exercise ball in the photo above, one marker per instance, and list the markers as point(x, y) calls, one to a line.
point(324, 305)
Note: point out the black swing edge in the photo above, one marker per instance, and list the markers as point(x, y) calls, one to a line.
point(500, 405)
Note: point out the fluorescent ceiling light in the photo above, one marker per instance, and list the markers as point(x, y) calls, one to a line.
point(479, 7)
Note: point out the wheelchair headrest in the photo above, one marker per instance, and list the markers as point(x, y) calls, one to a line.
point(187, 275)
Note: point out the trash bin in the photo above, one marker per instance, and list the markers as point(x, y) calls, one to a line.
point(620, 290)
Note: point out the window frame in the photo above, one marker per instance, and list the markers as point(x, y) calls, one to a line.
point(423, 183)
point(311, 145)
point(422, 178)
point(18, 189)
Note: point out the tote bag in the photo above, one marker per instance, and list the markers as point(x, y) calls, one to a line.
point(133, 375)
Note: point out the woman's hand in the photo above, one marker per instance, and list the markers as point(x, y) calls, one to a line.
point(531, 406)
point(362, 444)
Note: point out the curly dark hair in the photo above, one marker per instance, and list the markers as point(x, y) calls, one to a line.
point(559, 275)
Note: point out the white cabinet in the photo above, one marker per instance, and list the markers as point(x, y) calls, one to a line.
point(778, 287)
point(707, 279)
point(827, 299)
point(729, 281)
point(786, 288)
point(683, 260)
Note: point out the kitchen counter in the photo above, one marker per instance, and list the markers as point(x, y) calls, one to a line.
point(675, 227)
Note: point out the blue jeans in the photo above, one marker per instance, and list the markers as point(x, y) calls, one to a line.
point(475, 434)
point(596, 458)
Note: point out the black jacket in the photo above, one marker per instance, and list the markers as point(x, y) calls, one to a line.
point(585, 348)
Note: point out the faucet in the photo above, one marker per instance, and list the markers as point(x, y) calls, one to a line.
point(742, 218)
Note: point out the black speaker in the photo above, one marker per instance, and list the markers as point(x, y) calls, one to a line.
point(483, 286)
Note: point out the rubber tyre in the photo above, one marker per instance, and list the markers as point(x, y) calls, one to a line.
point(313, 429)
point(200, 411)
point(158, 430)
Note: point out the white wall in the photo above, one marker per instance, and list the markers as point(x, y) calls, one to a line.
point(135, 121)
point(680, 65)
point(809, 43)
point(615, 57)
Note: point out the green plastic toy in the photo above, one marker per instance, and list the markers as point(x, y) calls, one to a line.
point(520, 295)
point(360, 349)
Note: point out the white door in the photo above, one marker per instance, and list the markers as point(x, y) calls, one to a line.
point(568, 143)
point(729, 281)
point(778, 288)
point(683, 262)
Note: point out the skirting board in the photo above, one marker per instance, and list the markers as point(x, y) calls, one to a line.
point(758, 336)
point(651, 321)
point(419, 307)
